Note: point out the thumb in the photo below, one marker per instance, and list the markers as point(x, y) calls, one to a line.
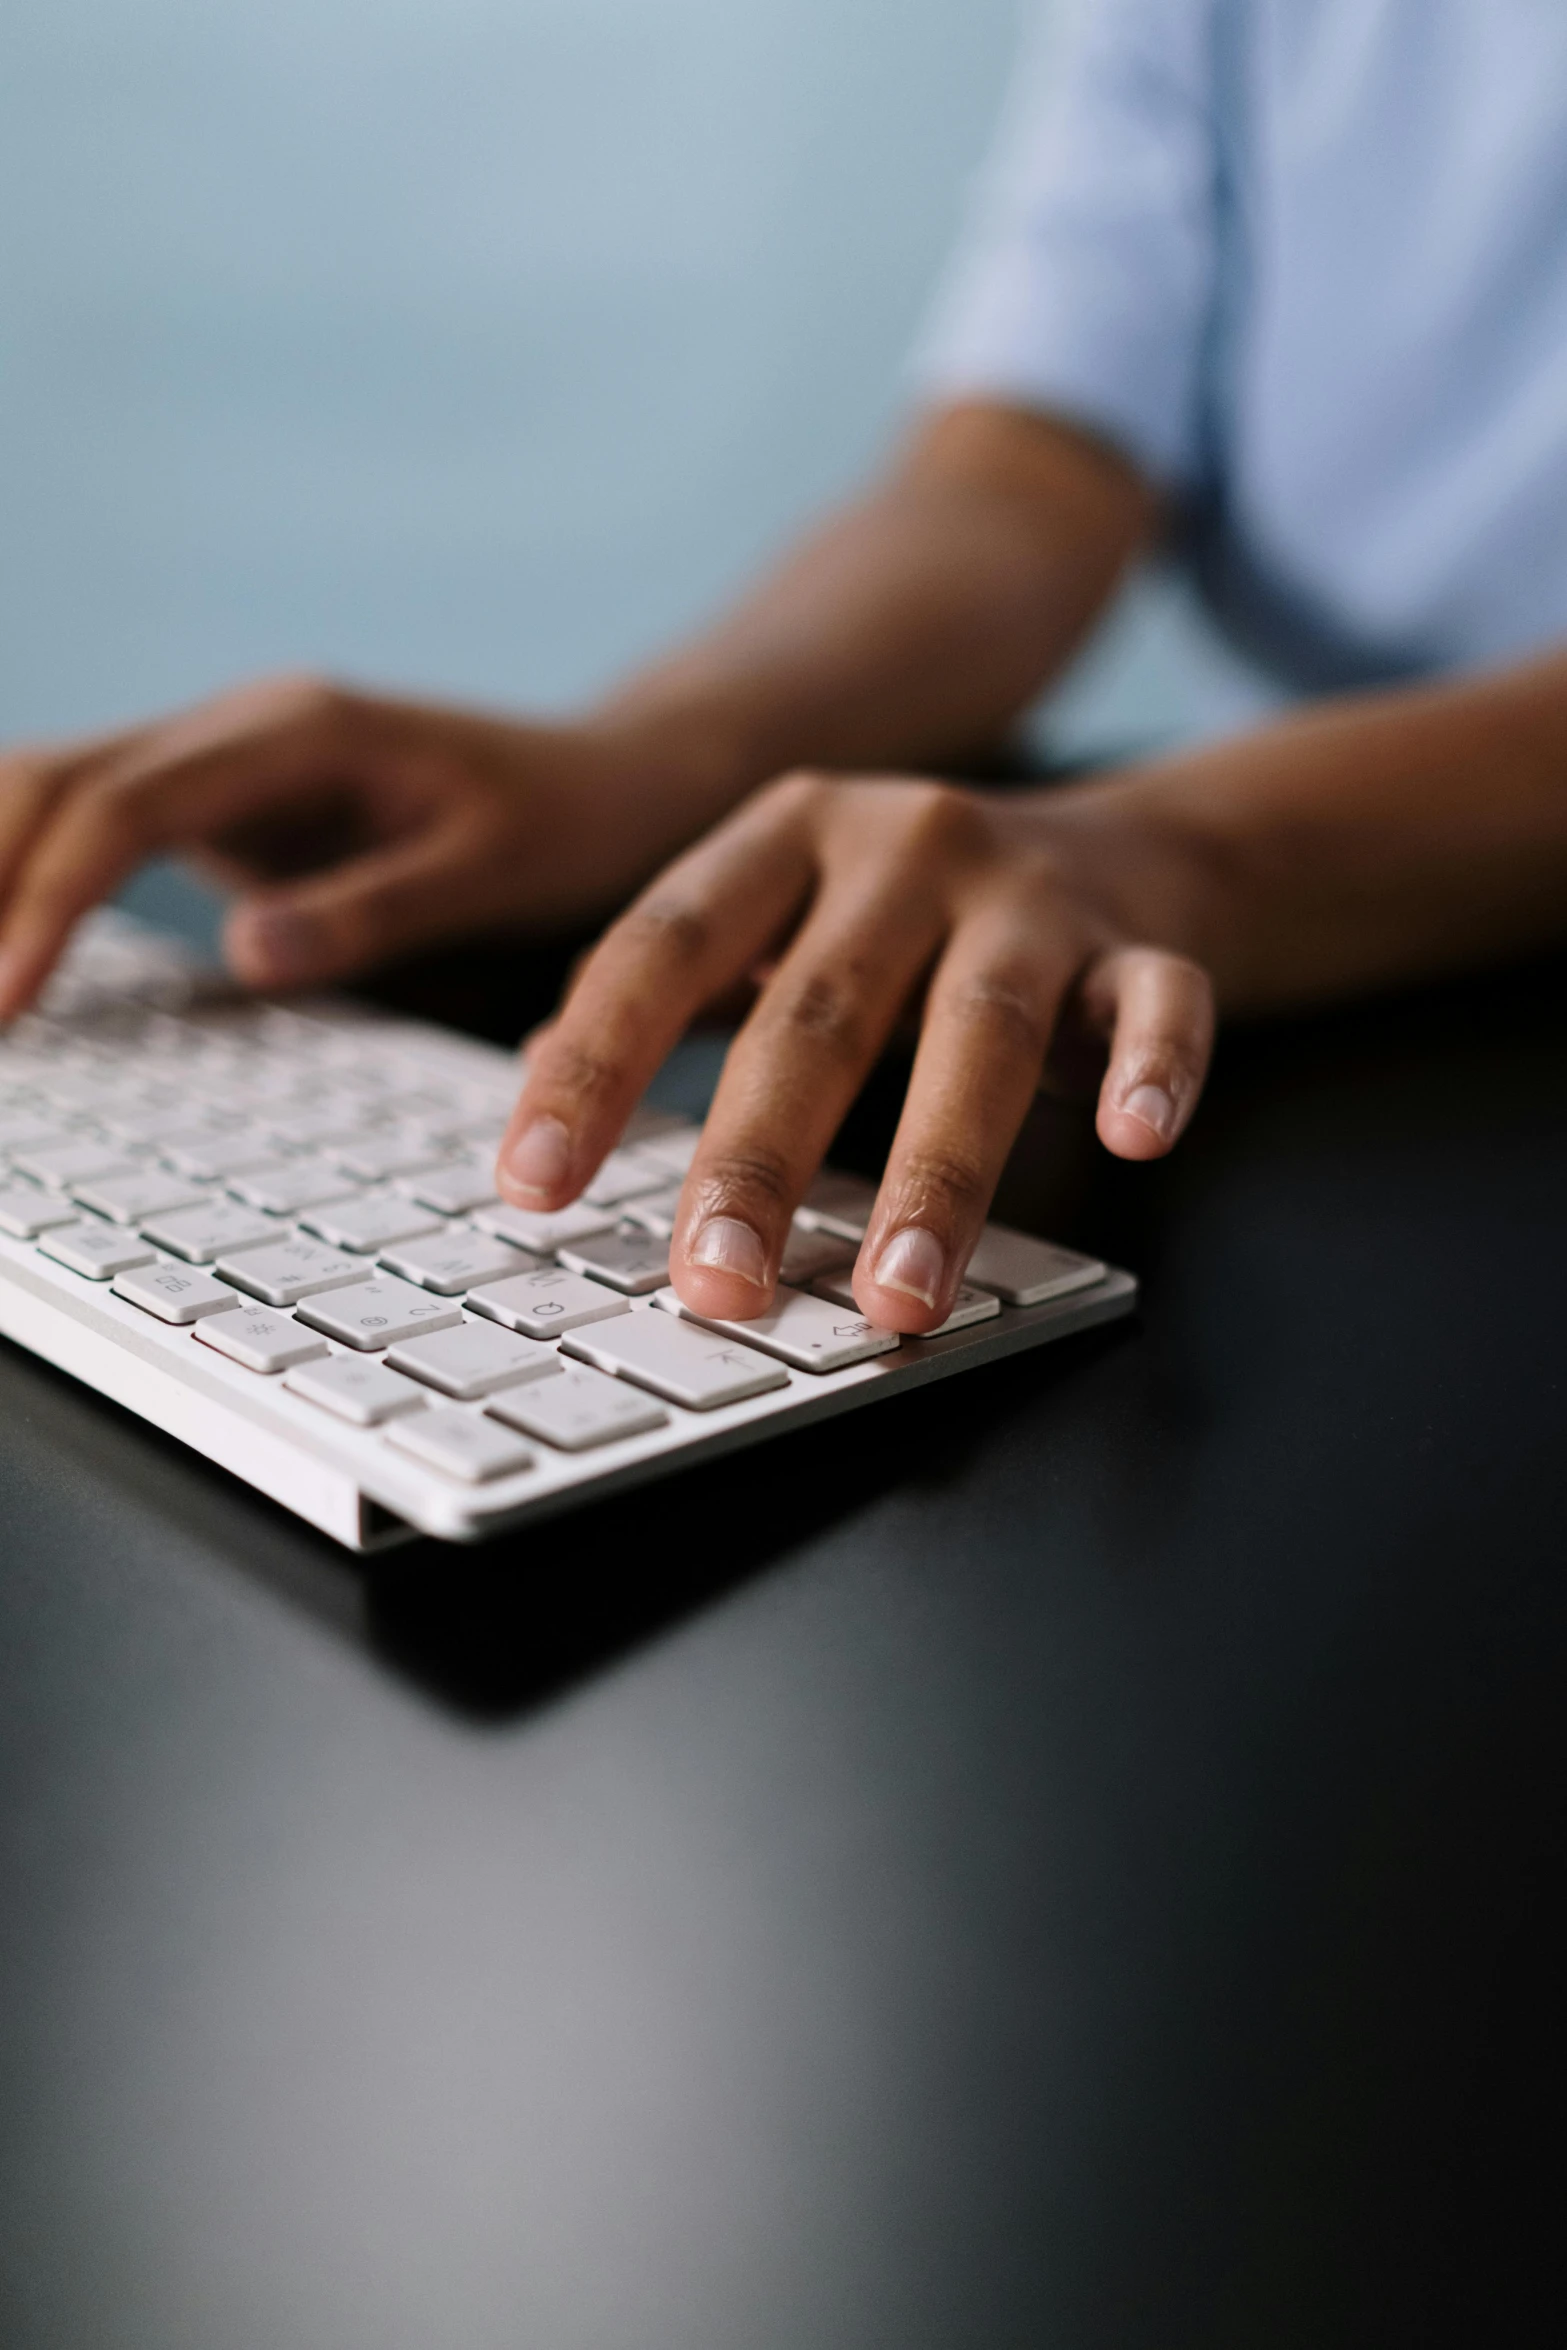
point(359, 913)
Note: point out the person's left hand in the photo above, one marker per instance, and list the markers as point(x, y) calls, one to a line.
point(859, 897)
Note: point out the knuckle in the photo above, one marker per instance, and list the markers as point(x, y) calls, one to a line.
point(306, 693)
point(117, 807)
point(1007, 1008)
point(591, 1075)
point(799, 793)
point(826, 1011)
point(749, 1175)
point(939, 1182)
point(673, 930)
point(1036, 876)
point(297, 701)
point(1194, 982)
point(27, 776)
point(938, 816)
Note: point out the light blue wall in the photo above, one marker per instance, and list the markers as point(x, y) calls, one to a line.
point(468, 344)
point(472, 346)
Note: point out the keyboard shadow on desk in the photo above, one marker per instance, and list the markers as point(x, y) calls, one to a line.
point(503, 1629)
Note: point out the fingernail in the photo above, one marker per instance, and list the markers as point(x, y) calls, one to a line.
point(541, 1157)
point(1154, 1107)
point(282, 945)
point(729, 1246)
point(915, 1264)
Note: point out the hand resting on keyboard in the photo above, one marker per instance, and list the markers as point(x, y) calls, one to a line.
point(355, 828)
point(857, 896)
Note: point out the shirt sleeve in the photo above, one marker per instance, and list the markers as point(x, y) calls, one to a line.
point(1086, 281)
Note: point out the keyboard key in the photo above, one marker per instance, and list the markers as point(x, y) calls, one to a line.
point(454, 1189)
point(25, 1211)
point(413, 1109)
point(675, 1359)
point(673, 1150)
point(217, 1158)
point(482, 1129)
point(372, 1222)
point(303, 1130)
point(545, 1234)
point(970, 1305)
point(25, 1130)
point(476, 1360)
point(378, 1313)
point(289, 1185)
point(624, 1175)
point(364, 1392)
point(646, 1125)
point(131, 1199)
point(289, 1270)
point(812, 1333)
point(460, 1444)
point(168, 1123)
point(626, 1259)
point(548, 1302)
point(374, 1157)
point(97, 1250)
point(60, 1164)
point(261, 1339)
point(175, 1293)
point(807, 1255)
point(579, 1410)
point(656, 1214)
point(80, 1093)
point(455, 1259)
point(203, 1233)
point(1024, 1271)
point(839, 1204)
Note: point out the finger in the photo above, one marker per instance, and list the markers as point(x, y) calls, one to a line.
point(32, 783)
point(382, 904)
point(78, 852)
point(989, 1016)
point(696, 928)
point(30, 787)
point(1158, 1009)
point(790, 1076)
point(157, 790)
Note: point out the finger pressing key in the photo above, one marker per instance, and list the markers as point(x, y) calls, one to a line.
point(697, 929)
point(988, 1021)
point(822, 1018)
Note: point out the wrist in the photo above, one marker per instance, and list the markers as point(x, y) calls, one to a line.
point(687, 750)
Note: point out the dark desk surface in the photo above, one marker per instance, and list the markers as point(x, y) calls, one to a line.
point(1066, 1867)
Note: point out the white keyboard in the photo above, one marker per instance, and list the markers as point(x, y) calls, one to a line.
point(272, 1230)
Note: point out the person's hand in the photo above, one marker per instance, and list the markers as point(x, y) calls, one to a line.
point(856, 898)
point(353, 827)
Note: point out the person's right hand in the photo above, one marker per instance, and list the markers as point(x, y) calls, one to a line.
point(353, 828)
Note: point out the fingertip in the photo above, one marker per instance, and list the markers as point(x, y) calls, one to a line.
point(890, 1309)
point(1140, 1127)
point(906, 1287)
point(723, 1270)
point(535, 1165)
point(21, 976)
point(722, 1297)
point(274, 946)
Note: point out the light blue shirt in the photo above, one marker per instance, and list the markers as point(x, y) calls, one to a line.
point(1306, 262)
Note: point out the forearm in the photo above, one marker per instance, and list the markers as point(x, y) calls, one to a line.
point(1370, 840)
point(917, 625)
